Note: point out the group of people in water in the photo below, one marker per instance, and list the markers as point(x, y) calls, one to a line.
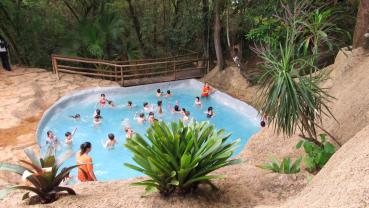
point(82, 157)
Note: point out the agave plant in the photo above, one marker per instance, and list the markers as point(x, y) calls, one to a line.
point(177, 158)
point(286, 166)
point(42, 173)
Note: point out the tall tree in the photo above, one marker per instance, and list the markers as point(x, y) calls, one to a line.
point(362, 24)
point(217, 35)
point(136, 24)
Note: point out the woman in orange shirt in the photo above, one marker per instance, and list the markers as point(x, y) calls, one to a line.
point(205, 90)
point(86, 168)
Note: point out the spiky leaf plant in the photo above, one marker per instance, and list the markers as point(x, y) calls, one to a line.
point(177, 158)
point(43, 173)
point(286, 166)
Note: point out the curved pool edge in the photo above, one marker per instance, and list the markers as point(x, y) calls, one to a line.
point(227, 99)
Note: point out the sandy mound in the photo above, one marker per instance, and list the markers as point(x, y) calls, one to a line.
point(343, 182)
point(349, 84)
point(231, 81)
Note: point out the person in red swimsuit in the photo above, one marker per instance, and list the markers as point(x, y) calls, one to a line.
point(102, 100)
point(206, 90)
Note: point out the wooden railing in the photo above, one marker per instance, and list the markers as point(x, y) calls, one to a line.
point(129, 73)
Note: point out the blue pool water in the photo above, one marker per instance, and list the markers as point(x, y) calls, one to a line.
point(231, 114)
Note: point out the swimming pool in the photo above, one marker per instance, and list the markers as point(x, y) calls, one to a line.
point(231, 114)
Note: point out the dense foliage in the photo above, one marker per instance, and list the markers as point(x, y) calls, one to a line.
point(179, 157)
point(286, 166)
point(317, 156)
point(43, 173)
point(127, 29)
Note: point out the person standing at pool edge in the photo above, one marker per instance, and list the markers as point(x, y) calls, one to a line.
point(4, 54)
point(85, 161)
point(206, 90)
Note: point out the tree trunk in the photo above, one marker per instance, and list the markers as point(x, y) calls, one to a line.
point(136, 24)
point(362, 24)
point(217, 37)
point(205, 13)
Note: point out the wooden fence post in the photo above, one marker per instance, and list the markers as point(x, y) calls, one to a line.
point(121, 77)
point(174, 68)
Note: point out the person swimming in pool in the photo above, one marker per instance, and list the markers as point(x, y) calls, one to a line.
point(198, 101)
point(183, 111)
point(111, 103)
point(186, 116)
point(147, 107)
point(160, 107)
point(102, 100)
point(169, 94)
point(110, 142)
point(159, 93)
point(140, 118)
point(130, 104)
point(97, 120)
point(151, 117)
point(76, 117)
point(210, 113)
point(129, 132)
point(51, 139)
point(69, 136)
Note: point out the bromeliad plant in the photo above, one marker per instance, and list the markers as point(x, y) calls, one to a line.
point(42, 173)
point(287, 166)
point(178, 158)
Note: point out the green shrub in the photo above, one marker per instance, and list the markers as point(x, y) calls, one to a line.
point(287, 166)
point(42, 173)
point(178, 157)
point(317, 156)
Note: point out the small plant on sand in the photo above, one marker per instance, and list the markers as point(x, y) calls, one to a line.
point(179, 157)
point(42, 173)
point(317, 156)
point(286, 166)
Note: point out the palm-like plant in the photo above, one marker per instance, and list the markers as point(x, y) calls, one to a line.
point(43, 173)
point(290, 99)
point(178, 157)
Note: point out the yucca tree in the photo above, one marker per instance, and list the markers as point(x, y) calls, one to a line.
point(288, 98)
point(179, 157)
point(43, 173)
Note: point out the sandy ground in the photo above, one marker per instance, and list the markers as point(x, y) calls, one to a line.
point(342, 183)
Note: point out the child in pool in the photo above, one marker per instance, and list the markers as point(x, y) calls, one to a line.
point(129, 132)
point(102, 100)
point(69, 136)
point(51, 139)
point(129, 105)
point(186, 116)
point(147, 107)
point(97, 120)
point(111, 103)
point(140, 118)
point(159, 93)
point(151, 117)
point(110, 142)
point(210, 112)
point(198, 101)
point(169, 94)
point(183, 111)
point(160, 107)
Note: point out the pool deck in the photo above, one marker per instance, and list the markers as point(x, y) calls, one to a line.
point(25, 95)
